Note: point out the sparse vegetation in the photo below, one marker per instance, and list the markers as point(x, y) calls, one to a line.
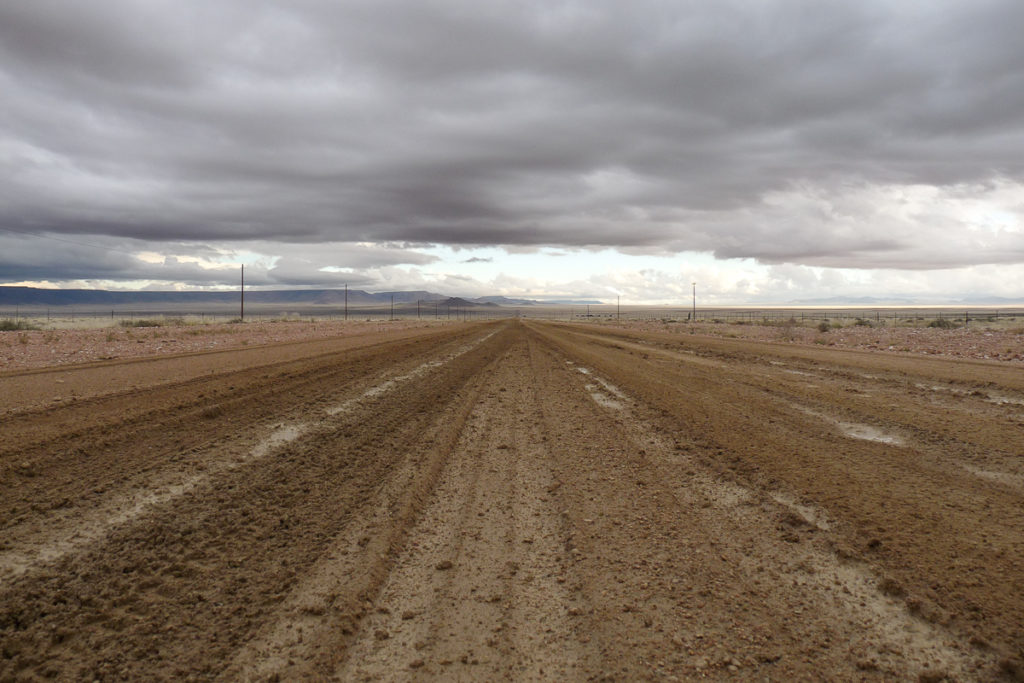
point(153, 322)
point(142, 322)
point(9, 325)
point(943, 324)
point(788, 329)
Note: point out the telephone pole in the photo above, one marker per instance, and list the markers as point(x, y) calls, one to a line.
point(346, 301)
point(694, 302)
point(241, 304)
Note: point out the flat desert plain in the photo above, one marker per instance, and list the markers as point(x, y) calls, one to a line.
point(513, 500)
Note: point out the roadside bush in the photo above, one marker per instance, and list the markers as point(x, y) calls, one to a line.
point(943, 324)
point(787, 329)
point(142, 323)
point(824, 326)
point(9, 325)
point(861, 322)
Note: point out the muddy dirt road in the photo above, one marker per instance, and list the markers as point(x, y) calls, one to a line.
point(514, 501)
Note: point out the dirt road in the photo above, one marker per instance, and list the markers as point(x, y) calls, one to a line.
point(514, 501)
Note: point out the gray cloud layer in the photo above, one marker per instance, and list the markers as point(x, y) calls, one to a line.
point(649, 124)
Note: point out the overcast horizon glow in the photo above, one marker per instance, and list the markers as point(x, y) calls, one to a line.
point(775, 151)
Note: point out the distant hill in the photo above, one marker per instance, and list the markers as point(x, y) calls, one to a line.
point(464, 303)
point(505, 301)
point(408, 297)
point(30, 296)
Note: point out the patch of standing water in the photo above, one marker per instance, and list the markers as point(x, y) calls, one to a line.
point(599, 396)
point(868, 433)
point(279, 437)
point(856, 430)
point(809, 514)
point(608, 386)
point(1006, 478)
point(1005, 400)
point(998, 399)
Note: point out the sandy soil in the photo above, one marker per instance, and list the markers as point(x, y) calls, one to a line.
point(979, 340)
point(48, 348)
point(514, 501)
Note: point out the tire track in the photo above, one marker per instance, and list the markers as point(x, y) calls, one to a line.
point(481, 593)
point(940, 542)
point(179, 590)
point(79, 531)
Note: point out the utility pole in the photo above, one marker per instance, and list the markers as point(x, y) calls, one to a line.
point(346, 301)
point(618, 303)
point(392, 306)
point(694, 302)
point(417, 309)
point(241, 304)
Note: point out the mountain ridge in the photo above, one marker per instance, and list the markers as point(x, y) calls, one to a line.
point(35, 296)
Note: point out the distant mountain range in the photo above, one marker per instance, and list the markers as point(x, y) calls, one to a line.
point(31, 296)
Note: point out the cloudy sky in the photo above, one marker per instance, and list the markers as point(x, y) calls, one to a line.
point(770, 150)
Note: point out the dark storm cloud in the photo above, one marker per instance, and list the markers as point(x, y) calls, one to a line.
point(34, 258)
point(651, 125)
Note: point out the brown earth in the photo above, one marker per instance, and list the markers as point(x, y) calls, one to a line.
point(29, 349)
point(980, 340)
point(514, 500)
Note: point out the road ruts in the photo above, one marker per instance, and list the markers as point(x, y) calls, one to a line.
point(174, 591)
point(916, 462)
point(482, 591)
point(71, 469)
point(522, 501)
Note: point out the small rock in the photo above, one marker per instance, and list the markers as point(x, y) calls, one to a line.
point(381, 634)
point(443, 565)
point(416, 664)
